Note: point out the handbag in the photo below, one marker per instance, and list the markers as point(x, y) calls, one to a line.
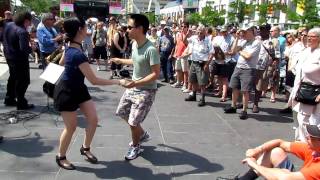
point(307, 93)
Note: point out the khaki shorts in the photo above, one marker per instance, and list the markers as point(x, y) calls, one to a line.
point(182, 64)
point(262, 80)
point(135, 105)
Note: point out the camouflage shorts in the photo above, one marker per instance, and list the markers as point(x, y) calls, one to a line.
point(135, 105)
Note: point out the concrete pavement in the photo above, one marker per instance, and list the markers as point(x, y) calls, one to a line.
point(188, 142)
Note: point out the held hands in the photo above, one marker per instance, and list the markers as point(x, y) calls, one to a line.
point(252, 153)
point(127, 83)
point(250, 161)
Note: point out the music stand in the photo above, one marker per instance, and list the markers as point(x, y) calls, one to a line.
point(51, 75)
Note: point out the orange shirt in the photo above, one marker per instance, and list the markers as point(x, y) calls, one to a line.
point(181, 46)
point(311, 165)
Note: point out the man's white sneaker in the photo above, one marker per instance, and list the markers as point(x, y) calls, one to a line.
point(133, 152)
point(176, 85)
point(186, 91)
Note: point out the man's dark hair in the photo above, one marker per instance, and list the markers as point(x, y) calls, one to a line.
point(19, 18)
point(140, 20)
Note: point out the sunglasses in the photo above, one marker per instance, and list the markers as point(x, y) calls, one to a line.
point(130, 27)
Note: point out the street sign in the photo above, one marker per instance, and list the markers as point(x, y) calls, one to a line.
point(66, 7)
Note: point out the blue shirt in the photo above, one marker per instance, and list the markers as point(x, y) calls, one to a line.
point(166, 44)
point(72, 74)
point(45, 37)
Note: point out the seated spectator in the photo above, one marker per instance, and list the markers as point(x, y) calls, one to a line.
point(270, 160)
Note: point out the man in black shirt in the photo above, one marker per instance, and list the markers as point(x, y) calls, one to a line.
point(17, 48)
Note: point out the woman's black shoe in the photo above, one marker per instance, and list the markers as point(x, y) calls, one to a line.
point(91, 158)
point(68, 167)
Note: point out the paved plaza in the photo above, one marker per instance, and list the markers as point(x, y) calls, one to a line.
point(188, 142)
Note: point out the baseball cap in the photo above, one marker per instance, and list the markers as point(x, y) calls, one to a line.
point(313, 130)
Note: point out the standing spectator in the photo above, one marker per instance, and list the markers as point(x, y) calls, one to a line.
point(153, 37)
point(87, 42)
point(199, 69)
point(99, 43)
point(181, 65)
point(16, 42)
point(166, 45)
point(48, 38)
point(35, 20)
point(221, 46)
point(137, 100)
point(160, 31)
point(264, 61)
point(7, 17)
point(293, 56)
point(71, 93)
point(243, 77)
point(307, 71)
point(117, 49)
point(273, 68)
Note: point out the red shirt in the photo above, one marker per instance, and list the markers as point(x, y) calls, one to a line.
point(311, 165)
point(181, 46)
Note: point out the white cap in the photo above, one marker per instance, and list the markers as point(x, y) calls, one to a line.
point(33, 13)
point(163, 22)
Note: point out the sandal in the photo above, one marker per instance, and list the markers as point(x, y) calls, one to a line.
point(67, 167)
point(91, 158)
point(223, 100)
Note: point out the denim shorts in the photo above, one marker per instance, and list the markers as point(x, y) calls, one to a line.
point(286, 164)
point(135, 105)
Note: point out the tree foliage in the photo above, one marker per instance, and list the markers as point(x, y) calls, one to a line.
point(237, 11)
point(208, 17)
point(151, 17)
point(310, 16)
point(39, 6)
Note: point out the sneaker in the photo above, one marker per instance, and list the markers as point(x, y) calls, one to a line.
point(191, 98)
point(144, 138)
point(176, 85)
point(243, 115)
point(98, 68)
point(186, 91)
point(171, 81)
point(183, 88)
point(201, 103)
point(230, 109)
point(133, 152)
